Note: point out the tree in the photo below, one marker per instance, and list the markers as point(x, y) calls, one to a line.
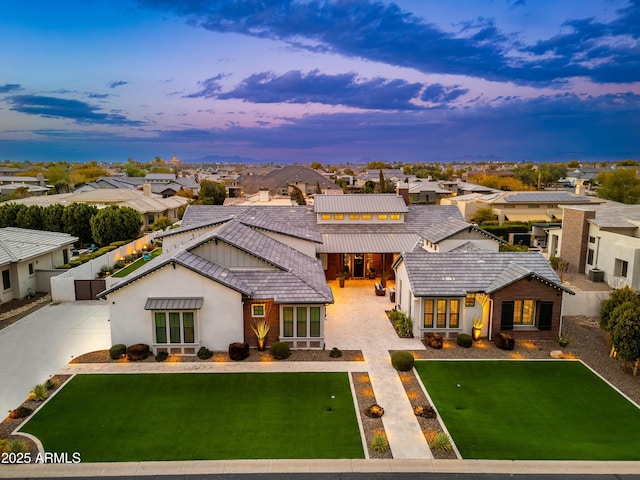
point(377, 165)
point(30, 217)
point(573, 164)
point(316, 166)
point(9, 213)
point(87, 172)
point(500, 183)
point(369, 187)
point(527, 174)
point(211, 193)
point(348, 171)
point(114, 223)
point(77, 220)
point(620, 185)
point(161, 223)
point(625, 334)
point(616, 298)
point(297, 195)
point(318, 189)
point(483, 215)
point(52, 218)
point(384, 186)
point(551, 172)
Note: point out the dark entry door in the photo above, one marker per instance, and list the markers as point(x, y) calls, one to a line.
point(358, 265)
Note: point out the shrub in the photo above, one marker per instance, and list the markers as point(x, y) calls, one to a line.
point(403, 325)
point(504, 341)
point(20, 412)
point(161, 356)
point(117, 244)
point(50, 384)
point(374, 411)
point(335, 353)
point(464, 340)
point(425, 411)
point(139, 351)
point(402, 360)
point(441, 443)
point(17, 446)
point(434, 340)
point(204, 353)
point(75, 263)
point(4, 445)
point(117, 351)
point(564, 339)
point(238, 351)
point(395, 315)
point(280, 350)
point(39, 393)
point(379, 443)
point(119, 264)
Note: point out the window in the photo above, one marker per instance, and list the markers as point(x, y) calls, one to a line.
point(150, 219)
point(366, 216)
point(180, 327)
point(620, 268)
point(470, 300)
point(31, 269)
point(590, 254)
point(338, 216)
point(382, 216)
point(65, 256)
point(257, 310)
point(442, 313)
point(325, 216)
point(592, 239)
point(6, 279)
point(395, 216)
point(533, 206)
point(354, 216)
point(523, 312)
point(301, 321)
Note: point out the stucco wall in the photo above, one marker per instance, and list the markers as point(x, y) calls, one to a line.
point(219, 321)
point(608, 247)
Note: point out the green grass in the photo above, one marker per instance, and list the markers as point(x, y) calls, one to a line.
point(532, 410)
point(137, 264)
point(141, 417)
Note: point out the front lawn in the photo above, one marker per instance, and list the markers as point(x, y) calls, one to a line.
point(142, 417)
point(132, 267)
point(516, 410)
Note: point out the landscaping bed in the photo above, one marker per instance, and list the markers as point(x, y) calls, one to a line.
point(371, 426)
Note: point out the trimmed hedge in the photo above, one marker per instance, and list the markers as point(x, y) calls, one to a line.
point(204, 353)
point(280, 350)
point(402, 360)
point(464, 340)
point(117, 351)
point(137, 352)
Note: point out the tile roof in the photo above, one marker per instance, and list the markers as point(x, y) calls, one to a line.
point(18, 244)
point(455, 273)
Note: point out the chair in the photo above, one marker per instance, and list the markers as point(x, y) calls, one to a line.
point(380, 290)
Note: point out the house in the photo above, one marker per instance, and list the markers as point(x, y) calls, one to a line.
point(425, 191)
point(227, 266)
point(209, 291)
point(601, 241)
point(33, 185)
point(518, 293)
point(282, 180)
point(23, 252)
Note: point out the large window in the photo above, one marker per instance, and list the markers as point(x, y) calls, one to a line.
point(442, 313)
point(301, 321)
point(174, 327)
point(523, 312)
point(620, 268)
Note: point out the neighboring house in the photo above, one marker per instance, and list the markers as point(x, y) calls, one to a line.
point(23, 252)
point(517, 293)
point(420, 192)
point(519, 206)
point(282, 180)
point(601, 241)
point(209, 291)
point(33, 185)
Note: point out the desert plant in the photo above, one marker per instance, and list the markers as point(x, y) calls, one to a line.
point(425, 411)
point(138, 351)
point(402, 360)
point(374, 411)
point(50, 384)
point(464, 340)
point(335, 353)
point(39, 393)
point(117, 351)
point(441, 443)
point(4, 445)
point(204, 353)
point(564, 339)
point(20, 412)
point(404, 325)
point(261, 328)
point(280, 350)
point(379, 443)
point(17, 446)
point(477, 323)
point(161, 356)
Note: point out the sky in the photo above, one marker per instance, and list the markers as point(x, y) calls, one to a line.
point(333, 81)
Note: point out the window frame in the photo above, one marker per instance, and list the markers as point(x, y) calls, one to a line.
point(255, 306)
point(6, 279)
point(291, 320)
point(185, 332)
point(441, 311)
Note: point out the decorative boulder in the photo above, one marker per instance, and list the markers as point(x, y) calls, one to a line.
point(238, 350)
point(556, 354)
point(434, 340)
point(505, 341)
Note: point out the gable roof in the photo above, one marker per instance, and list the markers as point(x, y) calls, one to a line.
point(283, 177)
point(457, 273)
point(19, 244)
point(452, 226)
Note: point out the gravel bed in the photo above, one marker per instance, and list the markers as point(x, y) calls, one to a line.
point(365, 397)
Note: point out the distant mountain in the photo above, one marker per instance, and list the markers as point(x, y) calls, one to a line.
point(227, 159)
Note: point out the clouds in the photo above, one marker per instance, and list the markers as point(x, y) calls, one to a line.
point(118, 83)
point(346, 89)
point(10, 87)
point(53, 107)
point(384, 33)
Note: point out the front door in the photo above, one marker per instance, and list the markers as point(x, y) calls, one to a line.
point(358, 265)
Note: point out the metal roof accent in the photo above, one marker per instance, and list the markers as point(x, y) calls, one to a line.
point(194, 303)
point(370, 203)
point(368, 242)
point(544, 197)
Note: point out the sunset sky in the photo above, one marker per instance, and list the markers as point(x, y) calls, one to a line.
point(329, 81)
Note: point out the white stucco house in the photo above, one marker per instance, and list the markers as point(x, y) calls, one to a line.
point(23, 252)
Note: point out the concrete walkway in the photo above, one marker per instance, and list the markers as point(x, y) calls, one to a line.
point(39, 345)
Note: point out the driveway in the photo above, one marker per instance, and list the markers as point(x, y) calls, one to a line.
point(39, 345)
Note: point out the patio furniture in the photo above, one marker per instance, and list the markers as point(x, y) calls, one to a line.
point(380, 290)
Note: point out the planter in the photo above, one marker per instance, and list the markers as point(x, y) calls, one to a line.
point(475, 333)
point(261, 344)
point(341, 282)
